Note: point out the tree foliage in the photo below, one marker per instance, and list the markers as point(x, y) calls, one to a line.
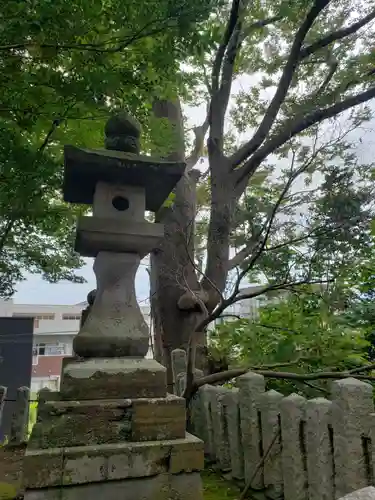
point(285, 199)
point(65, 67)
point(307, 332)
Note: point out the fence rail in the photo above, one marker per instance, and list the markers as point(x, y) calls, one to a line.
point(318, 449)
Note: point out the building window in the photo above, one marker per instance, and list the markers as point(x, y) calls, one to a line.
point(71, 316)
point(37, 317)
point(49, 350)
point(44, 316)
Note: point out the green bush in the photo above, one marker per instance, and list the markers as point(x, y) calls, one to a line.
point(304, 327)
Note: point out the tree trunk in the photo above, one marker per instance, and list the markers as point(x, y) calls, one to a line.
point(174, 283)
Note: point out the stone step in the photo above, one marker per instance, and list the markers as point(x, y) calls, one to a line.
point(56, 467)
point(112, 378)
point(80, 423)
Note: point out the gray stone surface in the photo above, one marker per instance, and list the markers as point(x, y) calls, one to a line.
point(79, 423)
point(20, 417)
point(351, 406)
point(179, 365)
point(122, 133)
point(293, 447)
point(161, 487)
point(96, 235)
point(104, 203)
point(84, 168)
point(362, 494)
point(232, 413)
point(111, 462)
point(113, 378)
point(115, 326)
point(251, 387)
point(220, 427)
point(209, 398)
point(198, 416)
point(269, 405)
point(319, 449)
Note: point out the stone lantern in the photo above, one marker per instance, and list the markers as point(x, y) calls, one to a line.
point(113, 423)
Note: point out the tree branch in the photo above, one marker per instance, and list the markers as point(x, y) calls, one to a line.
point(222, 79)
point(260, 464)
point(335, 36)
point(282, 88)
point(292, 128)
point(237, 372)
point(216, 68)
point(200, 133)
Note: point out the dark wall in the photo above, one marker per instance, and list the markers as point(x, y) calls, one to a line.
point(16, 344)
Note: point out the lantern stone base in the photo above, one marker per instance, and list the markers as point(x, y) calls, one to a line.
point(153, 470)
point(162, 487)
point(112, 378)
point(80, 423)
point(108, 447)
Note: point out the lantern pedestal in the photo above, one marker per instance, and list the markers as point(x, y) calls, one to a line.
point(113, 378)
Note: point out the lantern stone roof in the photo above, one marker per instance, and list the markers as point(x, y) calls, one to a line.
point(84, 168)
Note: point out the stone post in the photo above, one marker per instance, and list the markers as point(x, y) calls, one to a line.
point(251, 387)
point(293, 437)
point(232, 412)
point(270, 418)
point(20, 417)
point(362, 494)
point(351, 406)
point(220, 427)
point(113, 423)
point(319, 449)
point(179, 365)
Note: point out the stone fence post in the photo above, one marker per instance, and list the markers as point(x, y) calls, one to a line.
point(293, 459)
point(363, 494)
point(179, 365)
point(251, 388)
point(352, 404)
point(20, 418)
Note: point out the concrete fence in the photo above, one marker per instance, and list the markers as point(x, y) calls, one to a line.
point(20, 422)
point(288, 447)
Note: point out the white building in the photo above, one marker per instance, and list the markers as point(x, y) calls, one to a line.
point(55, 327)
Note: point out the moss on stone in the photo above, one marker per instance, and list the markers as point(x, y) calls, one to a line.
point(217, 488)
point(7, 491)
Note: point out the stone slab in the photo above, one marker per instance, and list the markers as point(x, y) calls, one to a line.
point(113, 378)
point(114, 462)
point(80, 423)
point(362, 494)
point(161, 487)
point(97, 234)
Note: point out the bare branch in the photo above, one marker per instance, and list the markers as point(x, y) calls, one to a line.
point(260, 464)
point(258, 24)
point(237, 372)
point(260, 246)
point(335, 36)
point(200, 133)
point(282, 88)
point(296, 126)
